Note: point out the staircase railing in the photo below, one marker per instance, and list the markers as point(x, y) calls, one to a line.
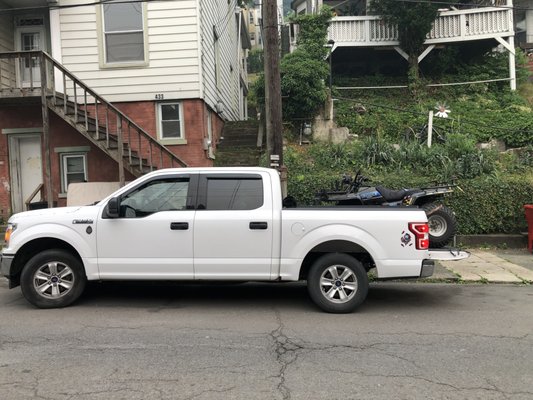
point(100, 118)
point(38, 189)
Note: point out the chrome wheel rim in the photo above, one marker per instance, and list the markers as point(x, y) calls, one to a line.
point(437, 225)
point(338, 284)
point(53, 280)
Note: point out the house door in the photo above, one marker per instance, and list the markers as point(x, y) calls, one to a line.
point(26, 169)
point(29, 38)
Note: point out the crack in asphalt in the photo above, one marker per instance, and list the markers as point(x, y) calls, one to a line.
point(209, 391)
point(286, 351)
point(492, 388)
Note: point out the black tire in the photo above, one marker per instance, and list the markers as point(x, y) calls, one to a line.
point(342, 265)
point(442, 224)
point(53, 279)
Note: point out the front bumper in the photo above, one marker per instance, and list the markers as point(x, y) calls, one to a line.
point(428, 268)
point(5, 264)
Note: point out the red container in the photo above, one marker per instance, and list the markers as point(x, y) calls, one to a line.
point(529, 219)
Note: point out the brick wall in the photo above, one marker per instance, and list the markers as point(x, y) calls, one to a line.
point(101, 168)
point(195, 113)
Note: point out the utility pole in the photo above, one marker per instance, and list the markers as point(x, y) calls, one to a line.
point(274, 127)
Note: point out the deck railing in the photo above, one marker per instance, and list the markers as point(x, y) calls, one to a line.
point(450, 26)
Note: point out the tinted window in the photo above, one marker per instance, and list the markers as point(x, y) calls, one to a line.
point(155, 196)
point(234, 193)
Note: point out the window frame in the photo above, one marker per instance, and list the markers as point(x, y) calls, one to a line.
point(103, 37)
point(63, 168)
point(159, 113)
point(203, 188)
point(192, 194)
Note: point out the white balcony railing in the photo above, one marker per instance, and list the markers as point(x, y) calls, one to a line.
point(450, 26)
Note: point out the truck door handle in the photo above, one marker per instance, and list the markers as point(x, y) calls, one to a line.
point(258, 225)
point(179, 226)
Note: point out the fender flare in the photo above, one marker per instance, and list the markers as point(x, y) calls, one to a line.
point(53, 231)
point(333, 232)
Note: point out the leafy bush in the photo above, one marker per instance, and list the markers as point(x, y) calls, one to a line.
point(492, 198)
point(255, 61)
point(302, 85)
point(492, 204)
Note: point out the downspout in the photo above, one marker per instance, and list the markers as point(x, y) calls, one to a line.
point(239, 60)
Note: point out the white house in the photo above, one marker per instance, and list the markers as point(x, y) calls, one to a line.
point(128, 87)
point(354, 28)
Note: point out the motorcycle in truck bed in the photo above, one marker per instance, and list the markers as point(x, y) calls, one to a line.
point(441, 219)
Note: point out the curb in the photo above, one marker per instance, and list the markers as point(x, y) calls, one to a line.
point(515, 241)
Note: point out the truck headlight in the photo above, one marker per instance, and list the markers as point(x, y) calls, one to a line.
point(10, 229)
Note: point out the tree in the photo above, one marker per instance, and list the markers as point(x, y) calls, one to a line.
point(304, 71)
point(414, 21)
point(302, 85)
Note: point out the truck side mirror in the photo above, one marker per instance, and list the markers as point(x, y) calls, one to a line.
point(113, 208)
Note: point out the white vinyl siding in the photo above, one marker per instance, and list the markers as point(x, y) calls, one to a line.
point(179, 52)
point(172, 55)
point(7, 70)
point(222, 15)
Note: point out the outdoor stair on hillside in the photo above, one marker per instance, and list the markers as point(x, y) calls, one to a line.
point(240, 144)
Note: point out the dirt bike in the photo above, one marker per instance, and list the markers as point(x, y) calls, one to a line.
point(441, 220)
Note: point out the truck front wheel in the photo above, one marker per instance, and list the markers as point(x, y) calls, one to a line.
point(337, 283)
point(53, 279)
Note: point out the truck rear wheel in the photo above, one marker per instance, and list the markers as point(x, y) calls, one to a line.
point(337, 283)
point(53, 279)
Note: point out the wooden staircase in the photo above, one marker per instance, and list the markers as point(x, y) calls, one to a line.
point(240, 145)
point(104, 125)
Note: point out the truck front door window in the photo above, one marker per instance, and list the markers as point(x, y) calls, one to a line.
point(155, 196)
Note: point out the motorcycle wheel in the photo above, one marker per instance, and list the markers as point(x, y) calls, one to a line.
point(442, 224)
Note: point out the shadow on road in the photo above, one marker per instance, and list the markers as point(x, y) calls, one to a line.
point(256, 295)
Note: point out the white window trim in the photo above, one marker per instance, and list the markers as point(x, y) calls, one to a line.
point(63, 171)
point(100, 21)
point(170, 141)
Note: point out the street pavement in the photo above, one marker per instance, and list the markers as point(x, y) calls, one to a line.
point(488, 265)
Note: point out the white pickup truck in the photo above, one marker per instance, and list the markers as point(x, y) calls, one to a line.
point(212, 224)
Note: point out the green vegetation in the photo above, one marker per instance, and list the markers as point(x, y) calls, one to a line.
point(495, 185)
point(255, 61)
point(304, 71)
point(414, 21)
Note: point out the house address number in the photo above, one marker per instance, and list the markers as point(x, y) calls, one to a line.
point(159, 96)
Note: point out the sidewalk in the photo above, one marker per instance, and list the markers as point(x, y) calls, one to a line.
point(489, 265)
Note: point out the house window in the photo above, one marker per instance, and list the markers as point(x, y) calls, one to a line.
point(73, 169)
point(170, 121)
point(123, 32)
point(251, 17)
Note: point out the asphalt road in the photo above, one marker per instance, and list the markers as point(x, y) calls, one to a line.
point(261, 341)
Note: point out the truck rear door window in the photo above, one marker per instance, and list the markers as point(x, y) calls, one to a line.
point(234, 193)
